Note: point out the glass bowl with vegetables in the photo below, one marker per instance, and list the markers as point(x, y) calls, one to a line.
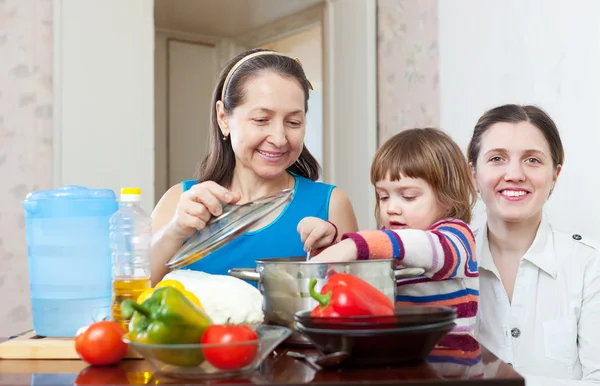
point(179, 339)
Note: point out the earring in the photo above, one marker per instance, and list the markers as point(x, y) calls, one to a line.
point(224, 138)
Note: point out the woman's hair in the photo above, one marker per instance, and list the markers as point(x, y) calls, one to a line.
point(219, 163)
point(514, 114)
point(432, 155)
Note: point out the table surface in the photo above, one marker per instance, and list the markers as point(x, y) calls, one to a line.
point(456, 360)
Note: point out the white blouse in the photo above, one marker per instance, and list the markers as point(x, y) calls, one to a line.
point(550, 333)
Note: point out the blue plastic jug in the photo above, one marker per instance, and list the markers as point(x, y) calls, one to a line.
point(69, 257)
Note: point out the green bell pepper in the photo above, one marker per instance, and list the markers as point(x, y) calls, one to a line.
point(167, 318)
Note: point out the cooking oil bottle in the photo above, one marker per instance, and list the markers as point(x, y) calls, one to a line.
point(130, 235)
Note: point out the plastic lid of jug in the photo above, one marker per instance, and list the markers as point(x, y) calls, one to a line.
point(131, 194)
point(69, 200)
point(71, 192)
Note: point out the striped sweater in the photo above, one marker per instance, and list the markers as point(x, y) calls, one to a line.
point(446, 252)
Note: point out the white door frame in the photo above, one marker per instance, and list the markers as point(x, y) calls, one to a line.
point(350, 143)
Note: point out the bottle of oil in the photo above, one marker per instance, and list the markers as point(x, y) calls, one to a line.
point(130, 235)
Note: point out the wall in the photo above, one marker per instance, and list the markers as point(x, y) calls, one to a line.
point(26, 148)
point(407, 74)
point(307, 46)
point(105, 94)
point(547, 55)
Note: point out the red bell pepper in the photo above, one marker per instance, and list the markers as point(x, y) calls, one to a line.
point(348, 295)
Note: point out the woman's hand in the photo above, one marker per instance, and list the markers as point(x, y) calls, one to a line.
point(197, 205)
point(341, 252)
point(316, 233)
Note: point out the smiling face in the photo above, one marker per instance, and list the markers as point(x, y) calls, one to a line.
point(409, 203)
point(514, 171)
point(267, 130)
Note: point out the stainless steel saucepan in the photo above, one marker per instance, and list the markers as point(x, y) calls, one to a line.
point(284, 283)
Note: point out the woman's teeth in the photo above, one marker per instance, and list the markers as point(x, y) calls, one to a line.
point(514, 193)
point(270, 155)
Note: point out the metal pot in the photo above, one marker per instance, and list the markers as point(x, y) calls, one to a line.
point(284, 283)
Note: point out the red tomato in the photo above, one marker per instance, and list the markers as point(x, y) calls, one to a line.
point(235, 355)
point(100, 343)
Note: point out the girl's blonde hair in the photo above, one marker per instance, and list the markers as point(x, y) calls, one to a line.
point(432, 155)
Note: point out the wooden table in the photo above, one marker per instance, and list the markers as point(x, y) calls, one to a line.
point(457, 360)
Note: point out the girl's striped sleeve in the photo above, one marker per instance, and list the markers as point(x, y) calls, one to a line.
point(446, 250)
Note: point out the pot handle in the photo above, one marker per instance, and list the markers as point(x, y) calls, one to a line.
point(405, 273)
point(244, 274)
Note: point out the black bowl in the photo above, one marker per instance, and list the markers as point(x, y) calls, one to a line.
point(404, 316)
point(378, 347)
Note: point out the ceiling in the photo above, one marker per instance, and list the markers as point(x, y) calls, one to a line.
point(223, 18)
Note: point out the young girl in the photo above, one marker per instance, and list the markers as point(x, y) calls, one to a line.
point(425, 196)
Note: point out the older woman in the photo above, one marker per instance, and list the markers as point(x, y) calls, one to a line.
point(258, 123)
point(539, 287)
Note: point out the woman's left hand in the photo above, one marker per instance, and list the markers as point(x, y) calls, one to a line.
point(341, 252)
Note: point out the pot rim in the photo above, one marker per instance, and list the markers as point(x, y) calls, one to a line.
point(302, 259)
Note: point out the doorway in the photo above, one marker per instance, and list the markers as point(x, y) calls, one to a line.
point(190, 74)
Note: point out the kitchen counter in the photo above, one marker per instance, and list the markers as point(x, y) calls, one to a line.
point(457, 360)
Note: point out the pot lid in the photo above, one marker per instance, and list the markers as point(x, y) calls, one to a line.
point(234, 221)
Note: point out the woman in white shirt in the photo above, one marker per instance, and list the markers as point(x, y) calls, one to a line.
point(539, 305)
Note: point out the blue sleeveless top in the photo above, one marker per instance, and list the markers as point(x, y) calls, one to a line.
point(280, 238)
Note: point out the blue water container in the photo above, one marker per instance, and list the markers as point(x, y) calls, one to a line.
point(69, 257)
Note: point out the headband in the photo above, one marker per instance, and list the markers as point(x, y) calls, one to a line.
point(248, 57)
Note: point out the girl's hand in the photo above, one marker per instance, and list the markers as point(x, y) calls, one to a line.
point(341, 252)
point(316, 233)
point(197, 205)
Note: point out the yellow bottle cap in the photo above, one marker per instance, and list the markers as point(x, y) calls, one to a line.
point(131, 191)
